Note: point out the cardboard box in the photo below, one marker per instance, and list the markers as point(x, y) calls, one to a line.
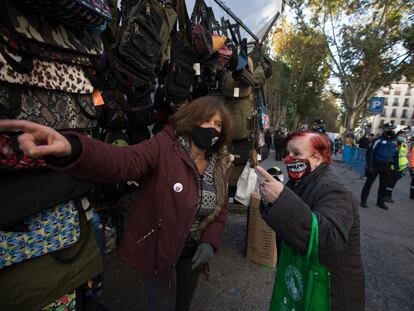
point(261, 239)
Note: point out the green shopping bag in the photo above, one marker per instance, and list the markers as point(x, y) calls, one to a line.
point(301, 284)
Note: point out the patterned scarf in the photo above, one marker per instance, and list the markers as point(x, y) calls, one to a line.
point(207, 198)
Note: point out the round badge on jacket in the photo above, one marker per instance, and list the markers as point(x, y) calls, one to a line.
point(178, 187)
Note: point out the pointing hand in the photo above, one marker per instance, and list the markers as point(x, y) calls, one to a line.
point(38, 140)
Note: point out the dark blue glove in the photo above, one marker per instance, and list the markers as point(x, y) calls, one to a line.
point(202, 255)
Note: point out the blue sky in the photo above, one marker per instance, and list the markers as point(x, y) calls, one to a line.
point(256, 14)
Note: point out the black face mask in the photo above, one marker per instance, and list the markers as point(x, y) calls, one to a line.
point(204, 137)
point(389, 134)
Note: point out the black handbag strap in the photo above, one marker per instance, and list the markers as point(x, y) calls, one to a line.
point(23, 67)
point(184, 23)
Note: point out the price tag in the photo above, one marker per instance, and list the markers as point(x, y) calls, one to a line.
point(97, 98)
point(197, 69)
point(236, 92)
point(259, 157)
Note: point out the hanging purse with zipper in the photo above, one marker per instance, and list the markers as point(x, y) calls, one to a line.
point(60, 110)
point(180, 74)
point(140, 42)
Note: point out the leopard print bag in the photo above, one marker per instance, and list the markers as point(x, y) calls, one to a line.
point(48, 75)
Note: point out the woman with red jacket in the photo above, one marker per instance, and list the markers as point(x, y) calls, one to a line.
point(178, 218)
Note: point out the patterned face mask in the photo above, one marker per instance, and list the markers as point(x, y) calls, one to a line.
point(296, 167)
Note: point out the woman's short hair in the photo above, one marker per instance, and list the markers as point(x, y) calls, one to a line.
point(200, 110)
point(319, 142)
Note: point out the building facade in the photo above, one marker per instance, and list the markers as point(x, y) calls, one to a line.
point(398, 106)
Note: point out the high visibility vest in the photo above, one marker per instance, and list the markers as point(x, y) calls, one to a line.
point(402, 157)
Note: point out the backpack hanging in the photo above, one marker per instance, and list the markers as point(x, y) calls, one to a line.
point(139, 43)
point(241, 111)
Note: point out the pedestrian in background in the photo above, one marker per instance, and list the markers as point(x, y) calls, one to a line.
point(313, 187)
point(349, 141)
point(268, 139)
point(364, 142)
point(278, 139)
point(379, 157)
point(337, 145)
point(400, 164)
point(178, 217)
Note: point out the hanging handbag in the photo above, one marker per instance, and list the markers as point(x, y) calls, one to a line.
point(48, 75)
point(32, 27)
point(31, 191)
point(56, 109)
point(74, 13)
point(202, 31)
point(233, 89)
point(50, 230)
point(181, 74)
point(140, 41)
point(241, 111)
point(301, 282)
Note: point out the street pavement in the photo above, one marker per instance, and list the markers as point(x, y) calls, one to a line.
point(387, 239)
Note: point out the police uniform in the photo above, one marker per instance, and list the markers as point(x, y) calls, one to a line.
point(397, 169)
point(379, 157)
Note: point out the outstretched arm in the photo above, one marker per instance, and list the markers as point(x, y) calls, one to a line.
point(97, 161)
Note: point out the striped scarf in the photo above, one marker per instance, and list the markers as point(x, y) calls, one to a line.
point(207, 198)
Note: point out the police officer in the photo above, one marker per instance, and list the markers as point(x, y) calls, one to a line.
point(319, 126)
point(401, 163)
point(380, 155)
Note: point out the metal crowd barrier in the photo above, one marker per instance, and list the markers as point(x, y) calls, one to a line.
point(355, 158)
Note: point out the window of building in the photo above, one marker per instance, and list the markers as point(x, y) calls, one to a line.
point(385, 101)
point(386, 90)
point(408, 93)
point(381, 123)
point(394, 113)
point(404, 114)
point(384, 112)
point(407, 102)
point(402, 123)
point(396, 100)
point(397, 91)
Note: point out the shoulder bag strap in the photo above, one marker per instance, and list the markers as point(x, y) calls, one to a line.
point(312, 253)
point(184, 22)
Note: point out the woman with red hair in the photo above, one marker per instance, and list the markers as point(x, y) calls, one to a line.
point(313, 187)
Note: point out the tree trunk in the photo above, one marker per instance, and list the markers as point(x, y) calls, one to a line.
point(349, 120)
point(298, 118)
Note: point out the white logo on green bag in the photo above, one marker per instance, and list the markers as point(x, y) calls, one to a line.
point(294, 283)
